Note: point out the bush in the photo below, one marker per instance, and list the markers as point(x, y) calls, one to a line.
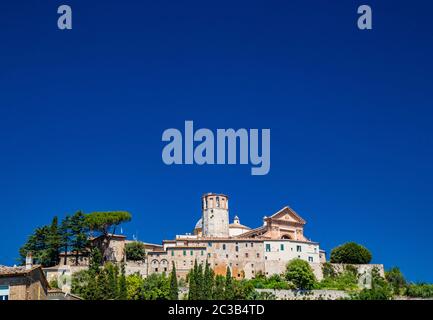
point(135, 251)
point(300, 274)
point(396, 279)
point(347, 280)
point(351, 253)
point(420, 290)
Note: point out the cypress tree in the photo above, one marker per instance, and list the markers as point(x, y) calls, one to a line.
point(174, 290)
point(208, 282)
point(229, 288)
point(218, 292)
point(199, 283)
point(192, 294)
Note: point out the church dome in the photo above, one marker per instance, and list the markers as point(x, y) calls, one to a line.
point(198, 225)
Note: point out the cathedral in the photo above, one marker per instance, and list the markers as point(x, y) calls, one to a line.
point(246, 251)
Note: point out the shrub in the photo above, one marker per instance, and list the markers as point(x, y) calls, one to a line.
point(420, 290)
point(300, 274)
point(396, 279)
point(135, 251)
point(351, 253)
point(380, 289)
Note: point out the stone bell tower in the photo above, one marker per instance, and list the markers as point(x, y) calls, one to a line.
point(215, 215)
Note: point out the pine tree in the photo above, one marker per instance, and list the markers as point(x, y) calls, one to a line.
point(174, 290)
point(65, 237)
point(229, 287)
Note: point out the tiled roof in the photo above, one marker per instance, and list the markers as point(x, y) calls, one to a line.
point(10, 271)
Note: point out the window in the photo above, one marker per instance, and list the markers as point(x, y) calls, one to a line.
point(209, 244)
point(172, 253)
point(281, 247)
point(192, 253)
point(268, 247)
point(246, 244)
point(258, 255)
point(224, 246)
point(252, 244)
point(165, 269)
point(156, 269)
point(246, 255)
point(202, 252)
point(4, 293)
point(218, 202)
point(237, 248)
point(310, 259)
point(184, 252)
point(298, 248)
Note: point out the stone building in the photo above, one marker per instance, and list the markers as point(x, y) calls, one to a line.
point(266, 249)
point(23, 283)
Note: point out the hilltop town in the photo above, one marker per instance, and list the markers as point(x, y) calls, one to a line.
point(261, 257)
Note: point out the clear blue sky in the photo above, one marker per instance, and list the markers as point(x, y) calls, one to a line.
point(350, 113)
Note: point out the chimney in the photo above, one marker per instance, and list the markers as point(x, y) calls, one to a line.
point(29, 261)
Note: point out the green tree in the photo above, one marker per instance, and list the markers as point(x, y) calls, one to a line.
point(192, 283)
point(65, 231)
point(105, 223)
point(78, 235)
point(218, 292)
point(156, 287)
point(229, 287)
point(134, 287)
point(174, 290)
point(123, 292)
point(300, 274)
point(135, 251)
point(208, 282)
point(44, 244)
point(351, 253)
point(396, 279)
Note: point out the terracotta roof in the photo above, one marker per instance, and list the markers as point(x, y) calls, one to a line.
point(10, 271)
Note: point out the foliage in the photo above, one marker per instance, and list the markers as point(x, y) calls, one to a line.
point(105, 223)
point(44, 244)
point(380, 289)
point(300, 274)
point(156, 287)
point(174, 290)
point(134, 285)
point(135, 251)
point(273, 282)
point(396, 279)
point(420, 290)
point(346, 280)
point(328, 270)
point(351, 253)
point(229, 289)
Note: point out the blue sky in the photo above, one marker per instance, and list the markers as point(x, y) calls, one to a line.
point(82, 113)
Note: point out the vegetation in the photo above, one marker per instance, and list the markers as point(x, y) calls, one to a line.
point(135, 251)
point(105, 223)
point(351, 253)
point(380, 289)
point(419, 290)
point(396, 279)
point(174, 290)
point(273, 282)
point(71, 235)
point(300, 274)
point(332, 280)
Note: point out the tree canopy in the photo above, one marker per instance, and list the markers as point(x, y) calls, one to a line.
point(350, 253)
